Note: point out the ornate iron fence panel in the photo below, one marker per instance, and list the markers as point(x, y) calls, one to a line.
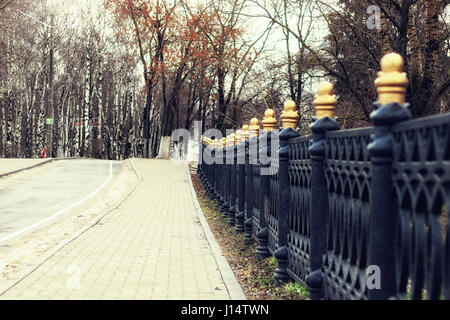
point(248, 223)
point(347, 170)
point(272, 220)
point(337, 166)
point(299, 226)
point(421, 177)
point(255, 197)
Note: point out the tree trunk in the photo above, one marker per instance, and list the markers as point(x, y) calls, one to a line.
point(164, 148)
point(432, 45)
point(414, 44)
point(383, 35)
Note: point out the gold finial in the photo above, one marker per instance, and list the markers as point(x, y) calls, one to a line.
point(223, 142)
point(230, 140)
point(245, 134)
point(392, 82)
point(269, 122)
point(254, 127)
point(206, 140)
point(289, 116)
point(325, 102)
point(238, 137)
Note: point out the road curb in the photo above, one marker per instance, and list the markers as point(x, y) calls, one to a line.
point(38, 165)
point(27, 168)
point(234, 289)
point(136, 172)
point(27, 271)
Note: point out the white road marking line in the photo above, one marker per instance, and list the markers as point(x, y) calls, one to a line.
point(61, 211)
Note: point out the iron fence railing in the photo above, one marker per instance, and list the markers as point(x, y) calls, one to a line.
point(347, 171)
point(421, 184)
point(299, 226)
point(350, 214)
point(420, 178)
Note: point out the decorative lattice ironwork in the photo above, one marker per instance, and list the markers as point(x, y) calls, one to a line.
point(347, 168)
point(300, 184)
point(272, 221)
point(335, 175)
point(256, 197)
point(421, 177)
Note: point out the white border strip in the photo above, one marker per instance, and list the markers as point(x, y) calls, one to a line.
point(14, 234)
point(7, 173)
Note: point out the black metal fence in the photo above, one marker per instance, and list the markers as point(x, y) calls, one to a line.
point(350, 214)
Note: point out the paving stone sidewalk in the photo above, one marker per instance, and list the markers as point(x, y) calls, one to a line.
point(152, 247)
point(10, 165)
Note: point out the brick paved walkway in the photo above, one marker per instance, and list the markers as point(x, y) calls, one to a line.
point(9, 165)
point(152, 247)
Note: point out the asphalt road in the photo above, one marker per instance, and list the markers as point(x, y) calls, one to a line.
point(60, 187)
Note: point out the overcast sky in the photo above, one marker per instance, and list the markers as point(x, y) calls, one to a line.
point(78, 9)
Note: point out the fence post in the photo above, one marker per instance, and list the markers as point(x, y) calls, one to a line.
point(390, 109)
point(269, 123)
point(261, 232)
point(252, 156)
point(210, 169)
point(218, 173)
point(204, 168)
point(228, 173)
point(289, 119)
point(200, 151)
point(248, 210)
point(201, 146)
point(200, 167)
point(233, 175)
point(224, 179)
point(240, 211)
point(325, 104)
